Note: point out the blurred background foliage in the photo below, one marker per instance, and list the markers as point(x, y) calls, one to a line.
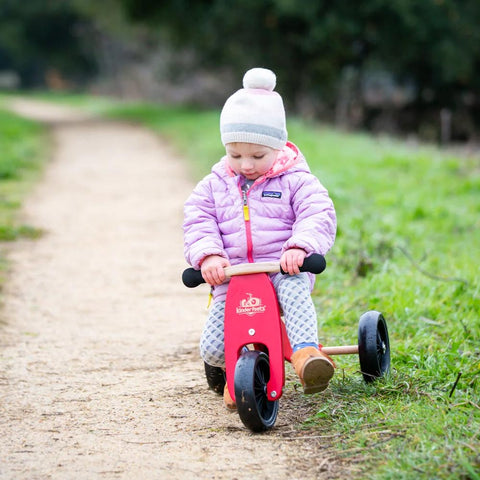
point(396, 66)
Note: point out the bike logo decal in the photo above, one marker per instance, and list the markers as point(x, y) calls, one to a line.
point(251, 306)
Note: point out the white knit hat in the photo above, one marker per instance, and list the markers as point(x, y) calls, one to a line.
point(255, 113)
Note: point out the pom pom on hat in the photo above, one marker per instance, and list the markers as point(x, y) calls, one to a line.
point(260, 78)
point(255, 113)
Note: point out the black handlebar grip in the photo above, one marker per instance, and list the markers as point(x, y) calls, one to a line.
point(315, 263)
point(192, 278)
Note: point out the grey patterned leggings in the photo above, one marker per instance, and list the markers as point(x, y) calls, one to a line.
point(294, 297)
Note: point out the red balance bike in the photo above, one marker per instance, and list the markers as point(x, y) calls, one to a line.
point(256, 342)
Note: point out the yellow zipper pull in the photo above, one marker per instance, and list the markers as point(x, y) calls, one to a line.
point(246, 214)
point(210, 298)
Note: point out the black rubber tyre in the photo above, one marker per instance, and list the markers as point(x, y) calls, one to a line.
point(373, 346)
point(215, 378)
point(252, 373)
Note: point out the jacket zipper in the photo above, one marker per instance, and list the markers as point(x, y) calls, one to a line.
point(246, 218)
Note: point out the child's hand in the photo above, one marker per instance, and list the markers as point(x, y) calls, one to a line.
point(212, 269)
point(292, 260)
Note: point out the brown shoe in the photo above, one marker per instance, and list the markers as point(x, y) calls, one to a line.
point(228, 400)
point(314, 368)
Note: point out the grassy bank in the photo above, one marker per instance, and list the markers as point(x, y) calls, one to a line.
point(23, 150)
point(407, 245)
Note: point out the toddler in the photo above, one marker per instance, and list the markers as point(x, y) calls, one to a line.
point(261, 203)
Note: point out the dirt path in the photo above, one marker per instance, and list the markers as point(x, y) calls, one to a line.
point(100, 375)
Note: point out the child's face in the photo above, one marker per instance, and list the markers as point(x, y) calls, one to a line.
point(249, 159)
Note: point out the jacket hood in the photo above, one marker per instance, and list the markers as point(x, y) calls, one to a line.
point(289, 159)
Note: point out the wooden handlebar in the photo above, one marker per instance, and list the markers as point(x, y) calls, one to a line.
point(248, 268)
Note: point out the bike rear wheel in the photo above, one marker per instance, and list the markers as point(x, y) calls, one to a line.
point(373, 346)
point(215, 378)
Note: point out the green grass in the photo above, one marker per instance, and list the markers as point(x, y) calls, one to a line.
point(23, 148)
point(408, 244)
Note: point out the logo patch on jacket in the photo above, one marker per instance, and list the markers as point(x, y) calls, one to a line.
point(270, 194)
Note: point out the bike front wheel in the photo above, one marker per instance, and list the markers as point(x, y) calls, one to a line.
point(252, 373)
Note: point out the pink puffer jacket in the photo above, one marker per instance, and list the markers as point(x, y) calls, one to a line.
point(286, 208)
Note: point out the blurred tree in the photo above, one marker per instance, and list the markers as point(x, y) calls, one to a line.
point(375, 62)
point(432, 44)
point(42, 40)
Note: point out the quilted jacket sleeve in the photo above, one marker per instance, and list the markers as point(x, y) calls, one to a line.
point(315, 226)
point(200, 227)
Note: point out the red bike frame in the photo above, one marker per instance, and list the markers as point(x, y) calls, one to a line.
point(252, 317)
